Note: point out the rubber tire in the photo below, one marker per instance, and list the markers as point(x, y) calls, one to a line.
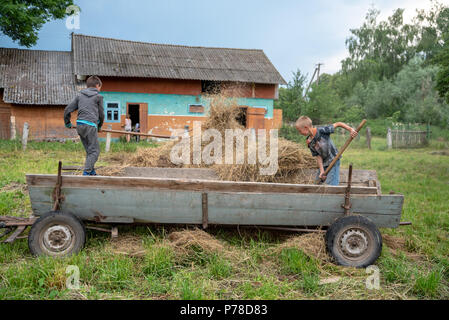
point(345, 223)
point(35, 241)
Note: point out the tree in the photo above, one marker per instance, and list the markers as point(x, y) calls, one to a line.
point(442, 85)
point(410, 96)
point(291, 99)
point(323, 104)
point(433, 30)
point(379, 50)
point(21, 20)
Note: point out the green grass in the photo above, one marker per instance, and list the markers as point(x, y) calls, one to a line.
point(414, 263)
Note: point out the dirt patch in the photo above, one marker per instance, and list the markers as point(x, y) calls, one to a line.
point(440, 153)
point(398, 245)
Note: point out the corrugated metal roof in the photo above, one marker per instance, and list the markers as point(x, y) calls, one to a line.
point(36, 77)
point(47, 77)
point(123, 58)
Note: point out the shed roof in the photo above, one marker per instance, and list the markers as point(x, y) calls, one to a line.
point(36, 77)
point(48, 77)
point(123, 58)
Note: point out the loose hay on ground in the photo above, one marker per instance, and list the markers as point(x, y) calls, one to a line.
point(186, 240)
point(312, 244)
point(128, 245)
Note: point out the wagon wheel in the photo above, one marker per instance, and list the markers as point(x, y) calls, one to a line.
point(354, 241)
point(56, 234)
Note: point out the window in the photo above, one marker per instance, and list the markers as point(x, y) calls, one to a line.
point(196, 108)
point(112, 112)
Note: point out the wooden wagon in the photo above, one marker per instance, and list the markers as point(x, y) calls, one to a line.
point(350, 214)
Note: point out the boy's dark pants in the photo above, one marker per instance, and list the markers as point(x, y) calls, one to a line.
point(89, 138)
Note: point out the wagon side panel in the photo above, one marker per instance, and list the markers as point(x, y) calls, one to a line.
point(299, 209)
point(122, 205)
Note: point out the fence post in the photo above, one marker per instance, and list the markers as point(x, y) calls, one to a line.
point(26, 127)
point(108, 139)
point(389, 142)
point(368, 137)
point(13, 128)
point(428, 131)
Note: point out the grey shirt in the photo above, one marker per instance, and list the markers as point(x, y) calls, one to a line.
point(322, 144)
point(89, 104)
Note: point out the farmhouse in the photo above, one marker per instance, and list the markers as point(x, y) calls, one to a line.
point(162, 87)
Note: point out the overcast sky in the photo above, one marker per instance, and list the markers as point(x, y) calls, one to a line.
point(293, 33)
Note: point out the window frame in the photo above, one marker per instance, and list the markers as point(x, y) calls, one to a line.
point(106, 108)
point(197, 106)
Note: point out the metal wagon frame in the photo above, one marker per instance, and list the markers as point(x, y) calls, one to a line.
point(64, 205)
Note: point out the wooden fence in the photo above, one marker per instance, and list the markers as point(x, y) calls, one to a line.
point(407, 138)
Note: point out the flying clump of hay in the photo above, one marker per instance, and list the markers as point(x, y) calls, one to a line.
point(223, 113)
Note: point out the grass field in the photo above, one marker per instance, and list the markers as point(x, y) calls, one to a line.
point(237, 264)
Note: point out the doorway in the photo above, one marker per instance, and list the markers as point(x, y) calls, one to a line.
point(242, 115)
point(134, 112)
point(138, 113)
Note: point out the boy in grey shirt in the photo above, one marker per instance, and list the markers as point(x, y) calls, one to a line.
point(89, 104)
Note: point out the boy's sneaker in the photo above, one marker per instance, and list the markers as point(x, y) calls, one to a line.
point(87, 173)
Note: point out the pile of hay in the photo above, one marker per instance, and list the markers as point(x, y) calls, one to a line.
point(188, 240)
point(127, 244)
point(293, 158)
point(312, 244)
point(152, 157)
point(194, 242)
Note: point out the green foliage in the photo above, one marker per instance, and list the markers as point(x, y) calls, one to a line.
point(323, 103)
point(291, 99)
point(442, 85)
point(294, 261)
point(378, 50)
point(428, 285)
point(21, 20)
point(159, 262)
point(409, 96)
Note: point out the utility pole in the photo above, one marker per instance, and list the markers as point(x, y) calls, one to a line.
point(316, 72)
point(318, 69)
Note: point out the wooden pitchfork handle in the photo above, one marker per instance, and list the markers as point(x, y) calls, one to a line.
point(342, 150)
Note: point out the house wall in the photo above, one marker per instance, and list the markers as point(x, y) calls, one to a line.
point(186, 87)
point(151, 85)
point(168, 112)
point(168, 107)
point(44, 121)
point(5, 118)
